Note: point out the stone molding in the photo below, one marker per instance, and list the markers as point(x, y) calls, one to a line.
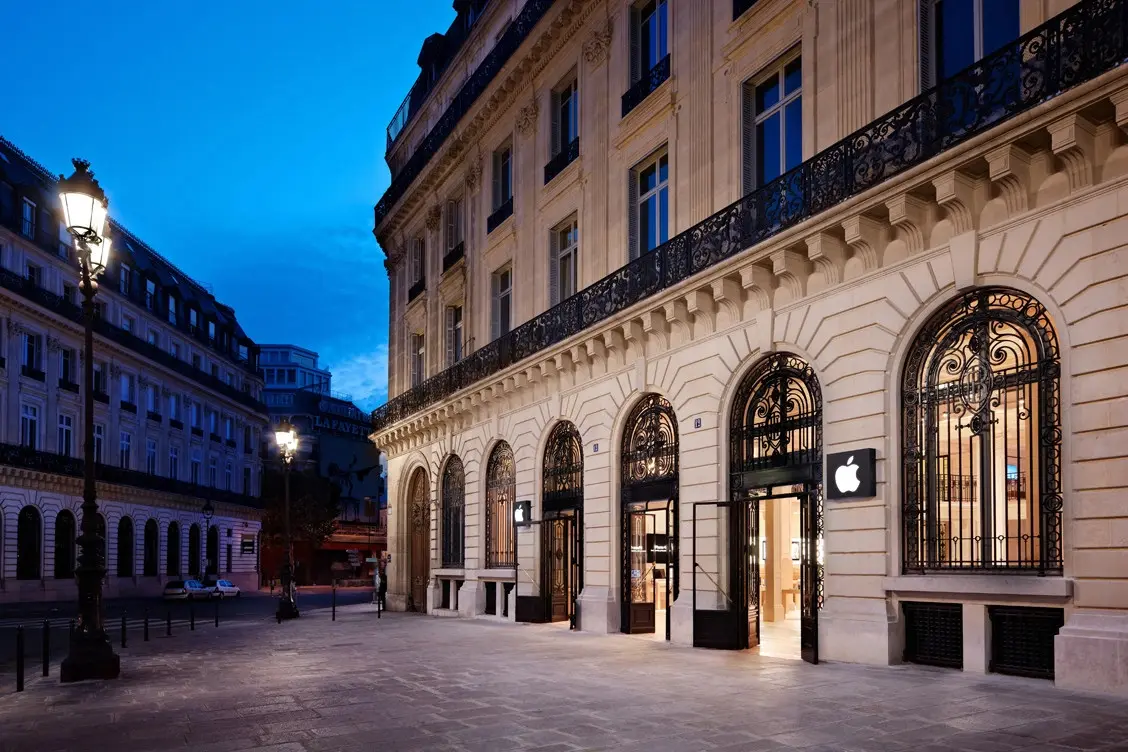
point(598, 45)
point(527, 117)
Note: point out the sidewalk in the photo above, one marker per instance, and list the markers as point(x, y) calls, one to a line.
point(409, 682)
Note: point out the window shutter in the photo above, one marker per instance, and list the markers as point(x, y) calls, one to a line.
point(925, 10)
point(557, 146)
point(495, 306)
point(497, 199)
point(636, 47)
point(748, 132)
point(458, 221)
point(450, 335)
point(451, 223)
point(414, 359)
point(554, 267)
point(632, 216)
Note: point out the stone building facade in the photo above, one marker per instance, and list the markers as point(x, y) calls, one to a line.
point(663, 269)
point(178, 411)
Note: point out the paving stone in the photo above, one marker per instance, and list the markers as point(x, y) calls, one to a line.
point(410, 682)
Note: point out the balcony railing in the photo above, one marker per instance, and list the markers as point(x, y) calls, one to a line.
point(518, 29)
point(567, 156)
point(416, 289)
point(33, 373)
point(453, 256)
point(68, 385)
point(646, 85)
point(19, 456)
point(501, 213)
point(1078, 45)
point(177, 424)
point(153, 415)
point(61, 306)
point(129, 407)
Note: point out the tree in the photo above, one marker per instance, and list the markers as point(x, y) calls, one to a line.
point(314, 506)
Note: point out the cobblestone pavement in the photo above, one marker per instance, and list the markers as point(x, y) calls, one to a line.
point(408, 682)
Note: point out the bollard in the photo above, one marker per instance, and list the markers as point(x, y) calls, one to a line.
point(146, 623)
point(19, 659)
point(124, 637)
point(168, 622)
point(217, 613)
point(334, 601)
point(191, 616)
point(46, 646)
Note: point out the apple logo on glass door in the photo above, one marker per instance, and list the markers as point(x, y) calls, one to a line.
point(846, 477)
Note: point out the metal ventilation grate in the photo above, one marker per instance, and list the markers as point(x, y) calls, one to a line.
point(1022, 640)
point(934, 633)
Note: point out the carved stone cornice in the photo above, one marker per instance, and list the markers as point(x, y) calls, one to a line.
point(527, 117)
point(598, 44)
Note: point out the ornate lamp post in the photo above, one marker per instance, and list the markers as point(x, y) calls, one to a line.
point(207, 511)
point(287, 440)
point(85, 214)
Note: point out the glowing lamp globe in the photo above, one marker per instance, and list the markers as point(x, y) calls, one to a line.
point(84, 203)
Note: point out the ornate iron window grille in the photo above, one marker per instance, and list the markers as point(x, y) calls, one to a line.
point(647, 85)
point(567, 156)
point(453, 513)
point(516, 33)
point(502, 213)
point(563, 482)
point(1078, 45)
point(501, 487)
point(981, 415)
point(776, 418)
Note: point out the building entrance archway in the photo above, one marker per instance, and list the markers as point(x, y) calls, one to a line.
point(649, 517)
point(562, 500)
point(419, 545)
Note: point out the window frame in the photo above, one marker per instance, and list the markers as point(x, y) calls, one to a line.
point(65, 430)
point(502, 174)
point(637, 198)
point(29, 425)
point(570, 86)
point(560, 289)
point(752, 118)
point(497, 295)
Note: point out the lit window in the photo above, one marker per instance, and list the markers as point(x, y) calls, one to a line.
point(125, 446)
point(502, 306)
point(564, 248)
point(66, 435)
point(29, 426)
point(773, 125)
point(650, 204)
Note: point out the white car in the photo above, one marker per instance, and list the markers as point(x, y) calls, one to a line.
point(183, 590)
point(223, 589)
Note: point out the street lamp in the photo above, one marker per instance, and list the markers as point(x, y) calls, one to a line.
point(207, 511)
point(90, 655)
point(287, 440)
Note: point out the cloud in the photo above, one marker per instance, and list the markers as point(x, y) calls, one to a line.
point(364, 376)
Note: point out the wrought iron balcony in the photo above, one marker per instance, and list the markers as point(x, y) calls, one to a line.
point(416, 289)
point(740, 7)
point(153, 415)
point(63, 307)
point(502, 213)
point(515, 33)
point(68, 385)
point(567, 156)
point(129, 407)
point(174, 423)
point(230, 443)
point(197, 431)
point(453, 256)
point(214, 437)
point(33, 373)
point(646, 85)
point(14, 455)
point(1078, 45)
point(101, 397)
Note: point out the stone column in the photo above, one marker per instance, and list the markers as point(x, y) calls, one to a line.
point(692, 151)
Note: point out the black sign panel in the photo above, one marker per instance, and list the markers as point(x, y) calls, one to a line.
point(851, 475)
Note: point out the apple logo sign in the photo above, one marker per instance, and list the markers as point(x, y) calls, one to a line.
point(854, 474)
point(519, 516)
point(846, 477)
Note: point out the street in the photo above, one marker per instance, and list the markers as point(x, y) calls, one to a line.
point(252, 606)
point(412, 682)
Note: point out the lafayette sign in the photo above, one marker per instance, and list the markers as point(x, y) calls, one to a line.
point(326, 423)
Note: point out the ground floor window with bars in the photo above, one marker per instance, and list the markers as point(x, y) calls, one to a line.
point(452, 535)
point(501, 487)
point(982, 438)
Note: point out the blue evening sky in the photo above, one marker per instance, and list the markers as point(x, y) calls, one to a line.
point(242, 140)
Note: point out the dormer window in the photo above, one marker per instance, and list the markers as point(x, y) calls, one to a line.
point(150, 294)
point(211, 331)
point(193, 320)
point(172, 310)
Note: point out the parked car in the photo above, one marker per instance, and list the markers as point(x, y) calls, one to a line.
point(223, 588)
point(182, 590)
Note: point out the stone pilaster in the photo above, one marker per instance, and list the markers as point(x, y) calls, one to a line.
point(692, 149)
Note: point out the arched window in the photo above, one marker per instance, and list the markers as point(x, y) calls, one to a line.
point(501, 487)
point(29, 543)
point(212, 565)
point(650, 446)
point(125, 547)
point(981, 440)
point(172, 551)
point(563, 468)
point(64, 545)
point(194, 550)
point(776, 418)
point(152, 549)
point(454, 508)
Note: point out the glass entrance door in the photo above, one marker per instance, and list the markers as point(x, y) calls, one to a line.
point(653, 563)
point(561, 566)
